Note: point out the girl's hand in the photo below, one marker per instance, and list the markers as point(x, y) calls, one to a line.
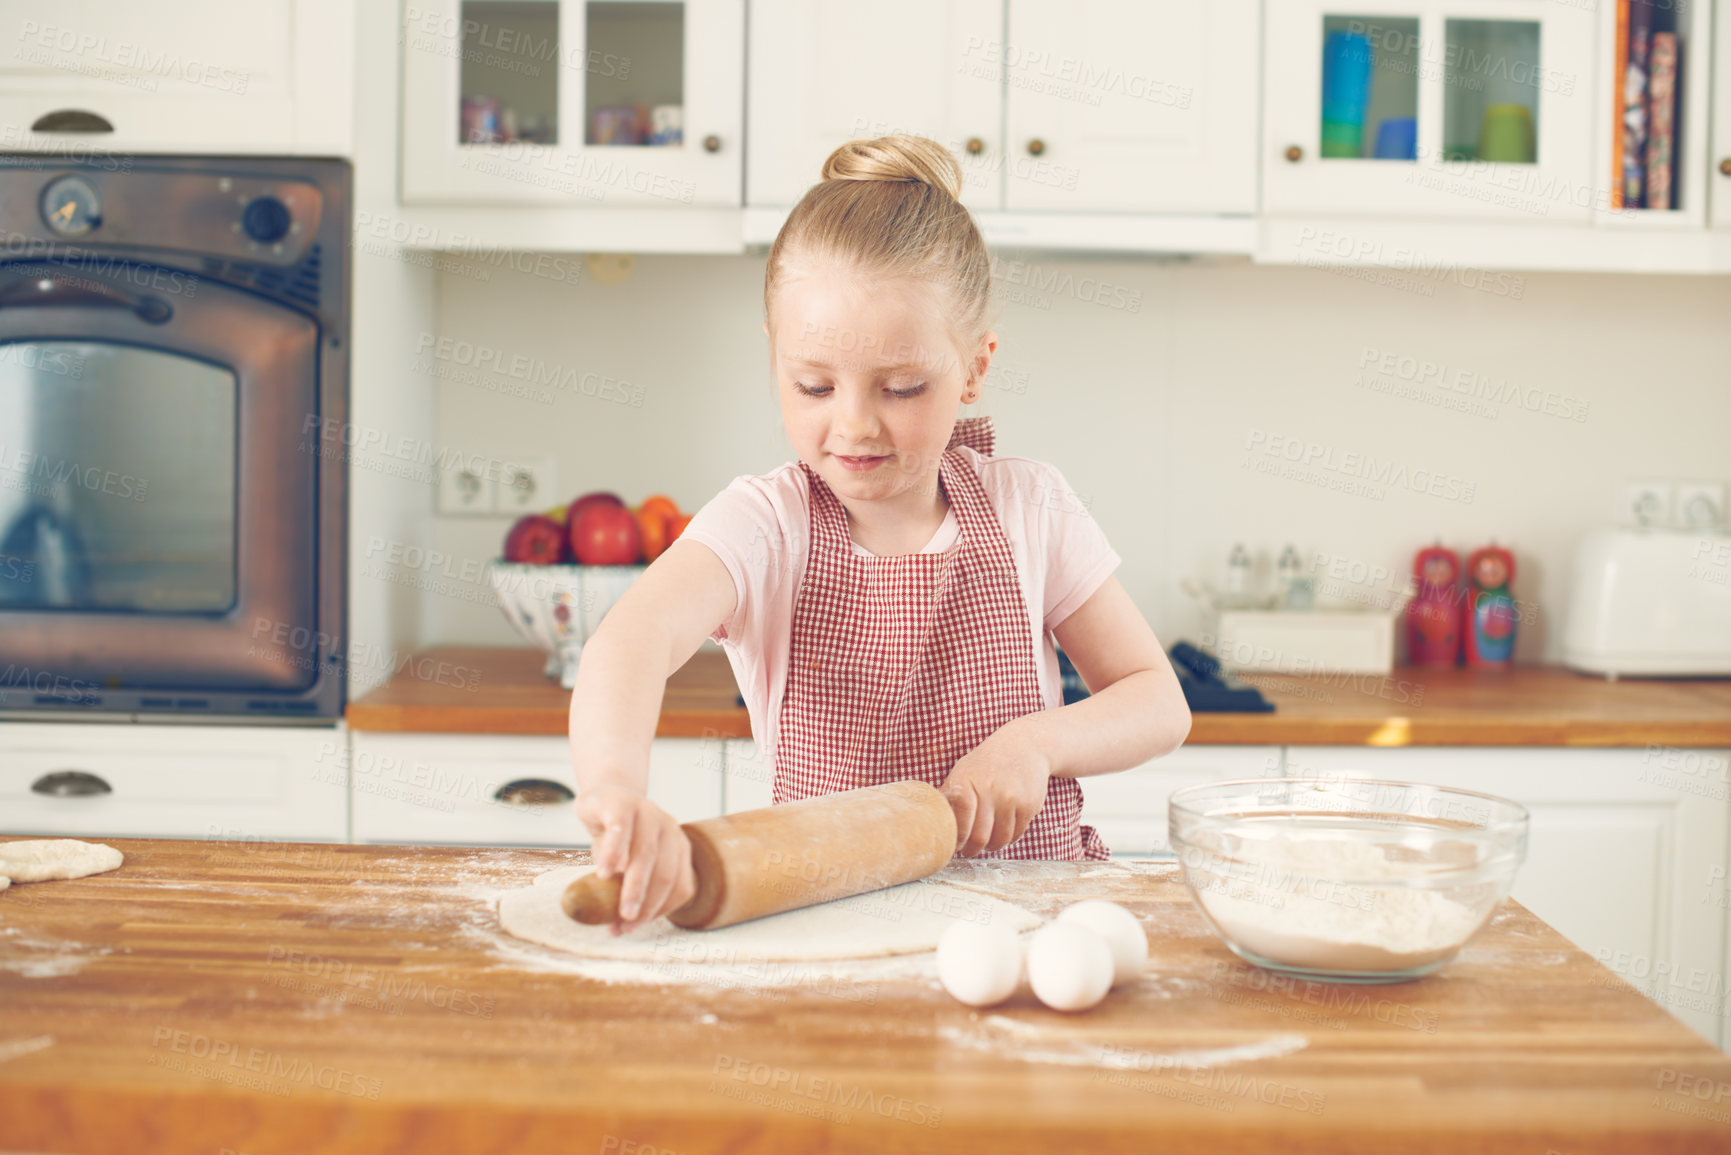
point(996, 789)
point(639, 840)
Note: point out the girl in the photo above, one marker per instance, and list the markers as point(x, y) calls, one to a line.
point(888, 602)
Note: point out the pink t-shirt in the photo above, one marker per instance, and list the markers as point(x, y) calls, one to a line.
point(760, 528)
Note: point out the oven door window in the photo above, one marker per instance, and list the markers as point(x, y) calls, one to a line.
point(117, 479)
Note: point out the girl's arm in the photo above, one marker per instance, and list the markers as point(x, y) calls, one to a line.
point(1136, 712)
point(648, 634)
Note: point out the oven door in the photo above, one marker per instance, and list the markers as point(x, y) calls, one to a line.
point(158, 483)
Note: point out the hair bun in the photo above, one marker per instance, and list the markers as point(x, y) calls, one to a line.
point(896, 158)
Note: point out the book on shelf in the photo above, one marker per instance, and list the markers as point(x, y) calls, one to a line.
point(1662, 122)
point(1635, 104)
point(1646, 110)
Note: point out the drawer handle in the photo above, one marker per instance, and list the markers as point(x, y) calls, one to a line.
point(71, 120)
point(534, 792)
point(70, 784)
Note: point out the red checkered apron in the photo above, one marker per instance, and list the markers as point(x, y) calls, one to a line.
point(901, 665)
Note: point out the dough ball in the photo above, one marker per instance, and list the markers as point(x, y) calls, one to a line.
point(37, 860)
point(1069, 966)
point(980, 965)
point(1122, 932)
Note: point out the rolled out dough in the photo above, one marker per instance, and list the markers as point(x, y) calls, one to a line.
point(41, 859)
point(902, 919)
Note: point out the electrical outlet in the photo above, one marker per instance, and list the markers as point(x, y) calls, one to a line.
point(1644, 503)
point(525, 486)
point(466, 487)
point(1700, 505)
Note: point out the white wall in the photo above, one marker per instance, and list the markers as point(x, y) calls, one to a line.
point(1149, 411)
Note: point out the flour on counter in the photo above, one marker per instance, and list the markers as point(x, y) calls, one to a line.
point(899, 920)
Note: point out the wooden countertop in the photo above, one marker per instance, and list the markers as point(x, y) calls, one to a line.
point(1527, 706)
point(332, 998)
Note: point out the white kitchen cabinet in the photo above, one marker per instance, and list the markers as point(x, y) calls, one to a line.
point(824, 72)
point(1623, 850)
point(747, 777)
point(1129, 809)
point(1439, 64)
point(500, 790)
point(199, 76)
point(1718, 163)
point(1145, 106)
point(530, 102)
point(1100, 106)
point(146, 780)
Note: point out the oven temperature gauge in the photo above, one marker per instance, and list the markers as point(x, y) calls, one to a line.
point(71, 207)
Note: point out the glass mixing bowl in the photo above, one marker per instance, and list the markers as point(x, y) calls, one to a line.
point(1343, 878)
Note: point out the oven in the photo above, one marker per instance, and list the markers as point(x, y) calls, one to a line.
point(173, 386)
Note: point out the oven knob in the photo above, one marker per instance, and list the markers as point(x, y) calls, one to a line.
point(71, 206)
point(266, 220)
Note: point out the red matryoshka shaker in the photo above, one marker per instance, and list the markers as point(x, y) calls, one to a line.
point(1433, 617)
point(1491, 610)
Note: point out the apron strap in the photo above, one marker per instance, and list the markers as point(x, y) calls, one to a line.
point(976, 433)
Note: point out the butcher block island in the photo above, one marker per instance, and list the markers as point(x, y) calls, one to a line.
point(210, 997)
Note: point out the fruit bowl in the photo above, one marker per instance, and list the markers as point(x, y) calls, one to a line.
point(557, 607)
point(1342, 878)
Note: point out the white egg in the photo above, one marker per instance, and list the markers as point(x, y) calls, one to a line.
point(1069, 966)
point(980, 965)
point(1122, 932)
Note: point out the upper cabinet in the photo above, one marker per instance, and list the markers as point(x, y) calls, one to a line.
point(1450, 109)
point(198, 76)
point(1719, 162)
point(1131, 105)
point(826, 71)
point(581, 103)
point(1091, 106)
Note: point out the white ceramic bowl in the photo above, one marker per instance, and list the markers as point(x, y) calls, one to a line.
point(557, 607)
point(1342, 878)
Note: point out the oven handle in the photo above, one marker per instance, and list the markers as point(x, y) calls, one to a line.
point(37, 291)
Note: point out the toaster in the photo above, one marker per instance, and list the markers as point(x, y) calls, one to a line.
point(1650, 603)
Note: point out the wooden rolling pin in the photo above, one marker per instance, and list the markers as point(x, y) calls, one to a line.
point(761, 862)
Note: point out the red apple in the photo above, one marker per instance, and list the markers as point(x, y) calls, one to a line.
point(598, 499)
point(606, 535)
point(536, 539)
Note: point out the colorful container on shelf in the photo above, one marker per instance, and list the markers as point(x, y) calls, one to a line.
point(1397, 139)
point(1433, 617)
point(1346, 63)
point(1491, 609)
point(1507, 134)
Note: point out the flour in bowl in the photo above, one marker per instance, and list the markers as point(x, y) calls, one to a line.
point(1316, 904)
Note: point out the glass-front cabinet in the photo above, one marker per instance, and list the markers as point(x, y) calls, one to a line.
point(1432, 108)
point(596, 103)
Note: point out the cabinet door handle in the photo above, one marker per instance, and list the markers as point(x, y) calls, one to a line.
point(534, 792)
point(975, 146)
point(1036, 147)
point(1294, 153)
point(1725, 167)
point(71, 120)
point(70, 784)
point(712, 143)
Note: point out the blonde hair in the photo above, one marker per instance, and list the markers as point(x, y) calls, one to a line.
point(888, 207)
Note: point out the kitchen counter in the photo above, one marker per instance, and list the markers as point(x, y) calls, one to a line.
point(1526, 706)
point(309, 997)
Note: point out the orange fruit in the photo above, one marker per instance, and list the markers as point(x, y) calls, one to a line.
point(657, 533)
point(660, 504)
point(677, 527)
